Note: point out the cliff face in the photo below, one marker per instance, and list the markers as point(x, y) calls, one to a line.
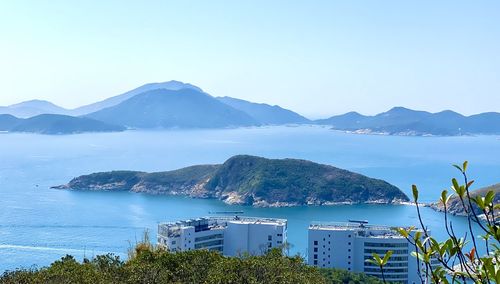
point(251, 180)
point(455, 206)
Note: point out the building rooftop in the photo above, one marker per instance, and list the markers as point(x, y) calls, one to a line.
point(171, 229)
point(360, 227)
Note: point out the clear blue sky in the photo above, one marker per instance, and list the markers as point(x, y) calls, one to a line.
point(316, 57)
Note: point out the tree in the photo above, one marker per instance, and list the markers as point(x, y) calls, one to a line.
point(453, 255)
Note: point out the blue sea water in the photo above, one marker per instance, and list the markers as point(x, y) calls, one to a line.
point(39, 225)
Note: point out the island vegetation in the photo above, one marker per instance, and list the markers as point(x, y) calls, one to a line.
point(251, 180)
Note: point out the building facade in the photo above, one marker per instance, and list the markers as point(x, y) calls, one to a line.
point(232, 236)
point(348, 246)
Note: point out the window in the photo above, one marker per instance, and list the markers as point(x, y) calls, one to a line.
point(315, 249)
point(211, 237)
point(279, 235)
point(349, 262)
point(328, 235)
point(315, 262)
point(315, 256)
point(270, 245)
point(349, 250)
point(328, 242)
point(349, 257)
point(315, 243)
point(349, 236)
point(349, 243)
point(269, 238)
point(173, 242)
point(323, 239)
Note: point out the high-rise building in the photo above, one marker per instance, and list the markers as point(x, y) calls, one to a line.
point(231, 236)
point(348, 246)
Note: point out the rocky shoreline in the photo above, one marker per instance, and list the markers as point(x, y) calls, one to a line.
point(249, 180)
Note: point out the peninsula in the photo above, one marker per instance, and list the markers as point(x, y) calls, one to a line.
point(251, 180)
point(455, 206)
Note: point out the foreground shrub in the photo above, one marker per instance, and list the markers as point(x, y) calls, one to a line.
point(151, 265)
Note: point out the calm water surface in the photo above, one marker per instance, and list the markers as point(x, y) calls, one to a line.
point(38, 225)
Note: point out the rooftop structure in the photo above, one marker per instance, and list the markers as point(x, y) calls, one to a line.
point(229, 235)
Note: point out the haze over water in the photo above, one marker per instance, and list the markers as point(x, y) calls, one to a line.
point(38, 225)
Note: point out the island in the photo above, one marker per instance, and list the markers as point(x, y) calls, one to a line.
point(251, 180)
point(55, 124)
point(455, 206)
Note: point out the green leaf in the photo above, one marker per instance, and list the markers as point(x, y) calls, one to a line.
point(455, 184)
point(464, 167)
point(444, 197)
point(488, 199)
point(414, 189)
point(403, 232)
point(386, 257)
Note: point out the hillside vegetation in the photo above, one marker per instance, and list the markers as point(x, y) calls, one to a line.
point(251, 180)
point(149, 265)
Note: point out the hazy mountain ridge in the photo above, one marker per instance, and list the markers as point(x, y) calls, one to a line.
point(403, 121)
point(115, 100)
point(250, 180)
point(33, 108)
point(183, 108)
point(174, 104)
point(264, 113)
point(54, 124)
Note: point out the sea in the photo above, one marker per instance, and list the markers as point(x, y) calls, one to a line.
point(38, 225)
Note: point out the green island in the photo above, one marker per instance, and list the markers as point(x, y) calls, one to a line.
point(251, 180)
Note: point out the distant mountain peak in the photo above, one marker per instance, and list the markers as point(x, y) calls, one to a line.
point(174, 85)
point(34, 103)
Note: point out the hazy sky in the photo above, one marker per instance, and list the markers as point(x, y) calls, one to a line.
point(316, 57)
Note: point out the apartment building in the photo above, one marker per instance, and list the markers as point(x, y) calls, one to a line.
point(348, 246)
point(232, 236)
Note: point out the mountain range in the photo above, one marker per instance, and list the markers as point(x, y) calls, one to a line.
point(251, 180)
point(174, 104)
point(403, 121)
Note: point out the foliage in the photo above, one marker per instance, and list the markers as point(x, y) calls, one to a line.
point(380, 261)
point(148, 264)
point(453, 255)
point(340, 276)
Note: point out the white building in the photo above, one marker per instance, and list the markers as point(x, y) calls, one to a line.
point(231, 236)
point(348, 246)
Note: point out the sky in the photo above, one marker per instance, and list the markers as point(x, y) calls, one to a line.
point(318, 58)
